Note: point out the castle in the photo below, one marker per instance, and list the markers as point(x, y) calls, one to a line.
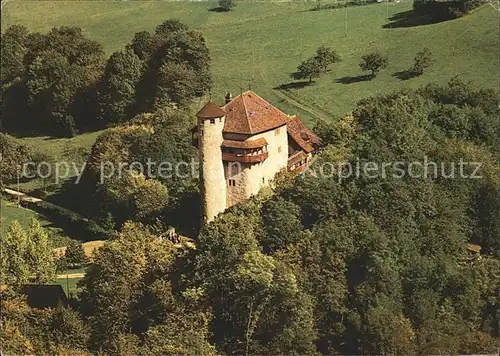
point(242, 145)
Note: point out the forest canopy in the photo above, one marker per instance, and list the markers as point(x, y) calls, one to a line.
point(353, 266)
point(61, 84)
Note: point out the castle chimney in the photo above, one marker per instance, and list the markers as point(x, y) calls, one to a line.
point(229, 97)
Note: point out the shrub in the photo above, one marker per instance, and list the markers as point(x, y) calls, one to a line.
point(226, 5)
point(422, 61)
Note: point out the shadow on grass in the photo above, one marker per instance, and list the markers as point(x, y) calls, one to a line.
point(73, 196)
point(218, 9)
point(352, 80)
point(410, 19)
point(294, 85)
point(404, 75)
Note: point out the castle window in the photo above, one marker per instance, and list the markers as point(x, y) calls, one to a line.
point(212, 121)
point(232, 183)
point(277, 132)
point(279, 149)
point(263, 180)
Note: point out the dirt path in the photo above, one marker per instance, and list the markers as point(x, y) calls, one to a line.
point(22, 196)
point(88, 247)
point(318, 114)
point(71, 275)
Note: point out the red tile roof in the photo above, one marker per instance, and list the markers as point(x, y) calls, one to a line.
point(210, 111)
point(248, 113)
point(258, 143)
point(304, 137)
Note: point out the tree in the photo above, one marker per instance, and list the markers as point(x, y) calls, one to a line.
point(162, 136)
point(60, 67)
point(282, 224)
point(117, 91)
point(373, 62)
point(175, 85)
point(226, 5)
point(317, 65)
point(185, 333)
point(128, 287)
point(172, 46)
point(143, 45)
point(28, 256)
point(326, 56)
point(75, 255)
point(134, 197)
point(51, 77)
point(422, 61)
point(310, 68)
point(250, 298)
point(14, 155)
point(34, 331)
point(13, 49)
point(445, 10)
point(15, 268)
point(40, 255)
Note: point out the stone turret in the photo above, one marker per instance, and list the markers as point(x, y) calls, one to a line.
point(211, 120)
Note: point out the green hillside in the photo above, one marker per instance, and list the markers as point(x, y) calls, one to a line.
point(262, 43)
point(10, 212)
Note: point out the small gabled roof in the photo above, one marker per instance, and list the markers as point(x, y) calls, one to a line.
point(210, 111)
point(299, 132)
point(473, 248)
point(249, 114)
point(43, 296)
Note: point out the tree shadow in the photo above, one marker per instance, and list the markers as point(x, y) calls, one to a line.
point(357, 79)
point(73, 196)
point(294, 85)
point(409, 19)
point(296, 75)
point(218, 9)
point(404, 74)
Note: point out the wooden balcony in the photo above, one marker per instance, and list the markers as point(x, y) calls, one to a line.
point(233, 157)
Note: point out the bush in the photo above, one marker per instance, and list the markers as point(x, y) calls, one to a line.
point(226, 5)
point(445, 10)
point(338, 5)
point(422, 61)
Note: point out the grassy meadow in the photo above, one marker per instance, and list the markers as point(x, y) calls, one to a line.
point(10, 212)
point(259, 44)
point(70, 150)
point(69, 285)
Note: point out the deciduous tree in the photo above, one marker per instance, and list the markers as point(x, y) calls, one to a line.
point(318, 64)
point(373, 62)
point(27, 255)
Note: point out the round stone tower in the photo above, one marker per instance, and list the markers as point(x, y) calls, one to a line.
point(213, 182)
